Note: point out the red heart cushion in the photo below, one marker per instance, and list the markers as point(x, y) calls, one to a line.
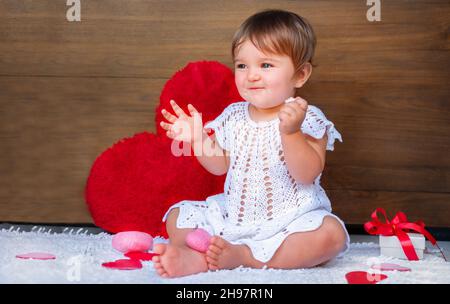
point(132, 184)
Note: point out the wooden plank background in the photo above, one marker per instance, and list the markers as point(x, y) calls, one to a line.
point(69, 90)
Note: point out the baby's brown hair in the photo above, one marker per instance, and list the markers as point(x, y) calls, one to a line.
point(278, 32)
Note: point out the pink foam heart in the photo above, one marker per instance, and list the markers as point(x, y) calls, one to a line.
point(143, 256)
point(198, 240)
point(132, 241)
point(362, 277)
point(123, 264)
point(390, 267)
point(36, 256)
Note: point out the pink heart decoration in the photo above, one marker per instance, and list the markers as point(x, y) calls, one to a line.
point(362, 277)
point(198, 239)
point(390, 267)
point(36, 256)
point(127, 241)
point(123, 264)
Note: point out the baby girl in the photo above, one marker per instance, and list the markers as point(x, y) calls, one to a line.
point(272, 146)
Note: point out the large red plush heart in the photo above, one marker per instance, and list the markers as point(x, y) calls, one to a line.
point(133, 183)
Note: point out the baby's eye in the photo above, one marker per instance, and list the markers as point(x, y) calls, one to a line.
point(240, 66)
point(266, 65)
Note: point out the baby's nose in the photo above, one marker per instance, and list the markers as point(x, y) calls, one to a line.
point(253, 75)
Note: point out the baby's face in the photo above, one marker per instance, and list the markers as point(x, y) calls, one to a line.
point(264, 80)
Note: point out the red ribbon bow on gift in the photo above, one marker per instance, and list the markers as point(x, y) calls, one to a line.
point(399, 226)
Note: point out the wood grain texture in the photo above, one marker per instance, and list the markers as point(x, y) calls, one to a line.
point(52, 130)
point(69, 90)
point(432, 208)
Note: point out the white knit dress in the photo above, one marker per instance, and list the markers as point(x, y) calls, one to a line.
point(262, 203)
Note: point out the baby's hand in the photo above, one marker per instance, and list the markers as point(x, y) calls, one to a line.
point(292, 115)
point(184, 127)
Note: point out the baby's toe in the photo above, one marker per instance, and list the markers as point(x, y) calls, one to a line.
point(159, 248)
point(163, 274)
point(160, 270)
point(214, 249)
point(212, 263)
point(211, 255)
point(156, 259)
point(211, 260)
point(218, 242)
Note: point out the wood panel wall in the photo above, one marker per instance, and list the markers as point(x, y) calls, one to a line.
point(69, 90)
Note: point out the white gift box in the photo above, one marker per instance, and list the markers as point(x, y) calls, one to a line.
point(390, 245)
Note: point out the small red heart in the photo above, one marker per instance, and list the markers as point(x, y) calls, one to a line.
point(123, 264)
point(138, 255)
point(362, 277)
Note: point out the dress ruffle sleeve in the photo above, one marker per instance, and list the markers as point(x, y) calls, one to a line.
point(316, 124)
point(222, 126)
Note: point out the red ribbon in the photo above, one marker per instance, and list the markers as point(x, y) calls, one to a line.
point(399, 226)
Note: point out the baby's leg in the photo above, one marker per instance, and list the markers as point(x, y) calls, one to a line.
point(312, 248)
point(177, 236)
point(176, 259)
point(299, 250)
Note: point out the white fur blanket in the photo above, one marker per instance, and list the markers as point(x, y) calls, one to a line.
point(79, 257)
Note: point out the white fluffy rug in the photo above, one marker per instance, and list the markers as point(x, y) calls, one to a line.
point(79, 257)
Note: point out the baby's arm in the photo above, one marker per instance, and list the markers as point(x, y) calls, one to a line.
point(305, 156)
point(190, 129)
point(210, 155)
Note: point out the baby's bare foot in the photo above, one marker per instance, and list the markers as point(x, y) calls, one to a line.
point(175, 261)
point(223, 255)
